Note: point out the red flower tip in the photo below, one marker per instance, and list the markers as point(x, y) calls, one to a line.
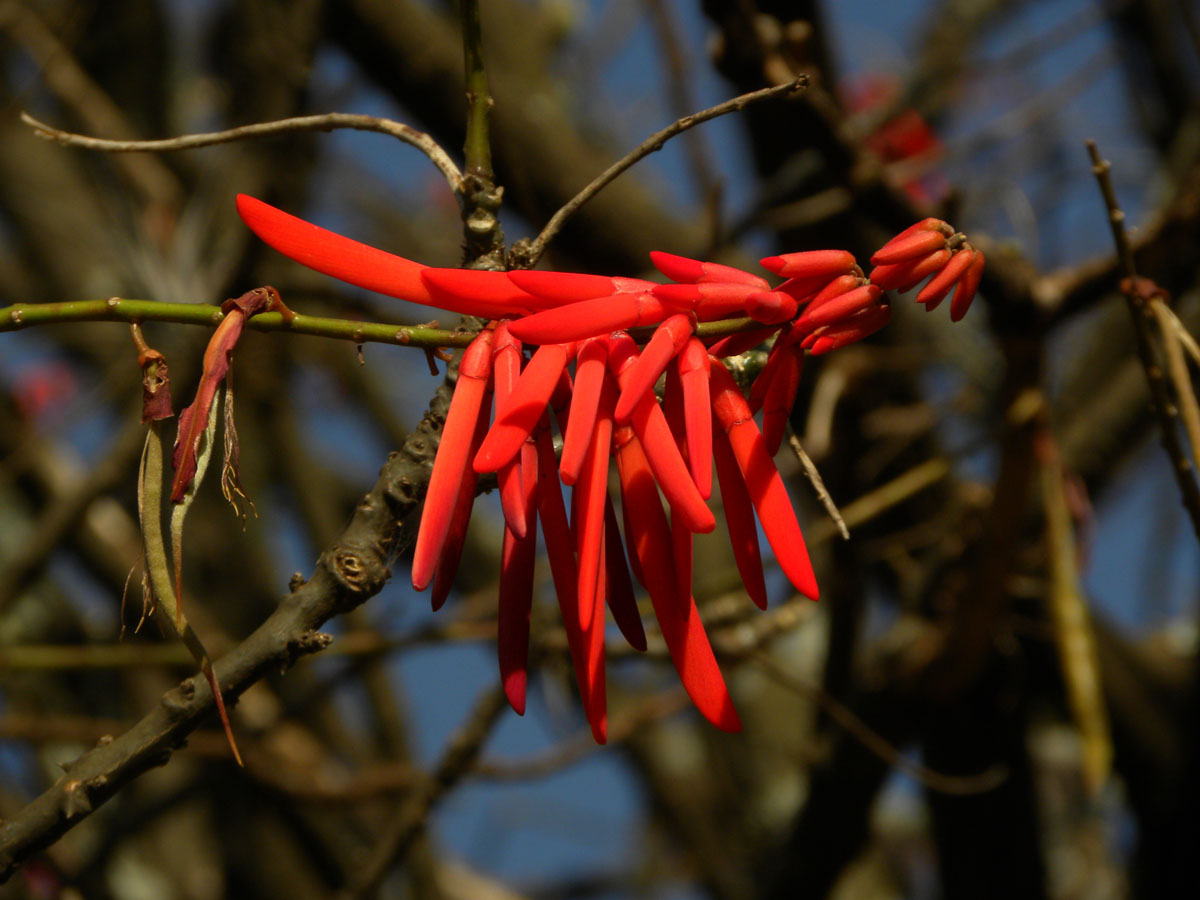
point(693, 271)
point(848, 331)
point(771, 307)
point(840, 307)
point(453, 458)
point(967, 287)
point(668, 339)
point(906, 276)
point(590, 371)
point(763, 482)
point(652, 430)
point(525, 405)
point(562, 287)
point(909, 247)
point(944, 281)
point(334, 255)
point(810, 264)
point(692, 365)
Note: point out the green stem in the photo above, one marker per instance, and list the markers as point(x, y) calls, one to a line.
point(116, 309)
point(477, 149)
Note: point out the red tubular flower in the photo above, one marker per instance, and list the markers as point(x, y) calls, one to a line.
point(610, 411)
point(763, 481)
point(506, 369)
point(692, 368)
point(663, 346)
point(824, 264)
point(516, 419)
point(651, 427)
point(586, 644)
point(929, 248)
point(591, 492)
point(629, 303)
point(693, 271)
point(848, 331)
point(590, 368)
point(648, 536)
point(967, 286)
point(453, 458)
point(456, 535)
point(739, 516)
point(515, 598)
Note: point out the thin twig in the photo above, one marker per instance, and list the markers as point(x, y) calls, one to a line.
point(814, 477)
point(324, 122)
point(873, 741)
point(1137, 298)
point(456, 762)
point(525, 253)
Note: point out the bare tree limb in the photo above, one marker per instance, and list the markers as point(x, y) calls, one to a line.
point(325, 122)
point(525, 253)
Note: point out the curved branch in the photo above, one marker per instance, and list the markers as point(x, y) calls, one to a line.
point(525, 253)
point(325, 122)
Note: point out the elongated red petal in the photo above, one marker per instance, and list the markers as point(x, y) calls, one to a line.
point(771, 307)
point(506, 369)
point(649, 540)
point(668, 339)
point(456, 535)
point(839, 307)
point(680, 268)
point(848, 331)
point(453, 458)
point(763, 483)
point(587, 649)
point(739, 516)
point(515, 601)
point(619, 586)
point(781, 394)
point(588, 318)
point(591, 491)
point(944, 281)
point(810, 263)
point(651, 427)
point(929, 224)
point(906, 276)
point(967, 287)
point(332, 254)
point(517, 417)
point(562, 287)
point(910, 246)
point(692, 365)
point(590, 368)
point(681, 538)
point(475, 292)
point(710, 302)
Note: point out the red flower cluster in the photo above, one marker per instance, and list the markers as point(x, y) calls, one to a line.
point(608, 411)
